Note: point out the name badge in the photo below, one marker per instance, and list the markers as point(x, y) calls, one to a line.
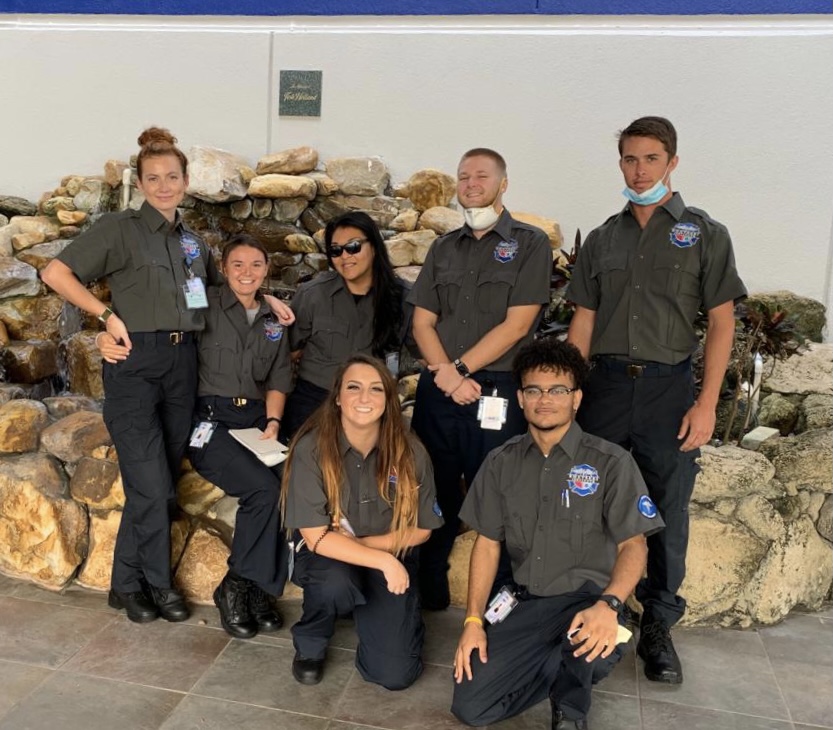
point(202, 434)
point(500, 606)
point(491, 412)
point(195, 297)
point(392, 361)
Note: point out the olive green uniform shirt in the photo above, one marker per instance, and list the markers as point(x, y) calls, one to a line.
point(563, 515)
point(141, 256)
point(367, 512)
point(470, 284)
point(238, 360)
point(647, 286)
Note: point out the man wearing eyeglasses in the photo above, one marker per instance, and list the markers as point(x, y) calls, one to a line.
point(573, 511)
point(638, 284)
point(476, 301)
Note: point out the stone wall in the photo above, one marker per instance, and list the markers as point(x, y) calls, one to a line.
point(761, 521)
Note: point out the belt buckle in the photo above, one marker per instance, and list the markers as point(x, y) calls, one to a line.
point(239, 402)
point(635, 371)
point(176, 338)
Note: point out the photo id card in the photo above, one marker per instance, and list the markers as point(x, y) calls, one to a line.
point(492, 412)
point(500, 606)
point(202, 434)
point(195, 297)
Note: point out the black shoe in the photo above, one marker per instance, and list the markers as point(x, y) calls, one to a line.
point(171, 604)
point(232, 600)
point(307, 671)
point(137, 605)
point(559, 722)
point(656, 649)
point(261, 610)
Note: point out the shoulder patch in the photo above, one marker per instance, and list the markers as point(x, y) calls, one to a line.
point(646, 507)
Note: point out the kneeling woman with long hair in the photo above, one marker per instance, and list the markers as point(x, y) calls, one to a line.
point(359, 494)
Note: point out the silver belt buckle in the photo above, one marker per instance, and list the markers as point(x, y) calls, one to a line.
point(176, 338)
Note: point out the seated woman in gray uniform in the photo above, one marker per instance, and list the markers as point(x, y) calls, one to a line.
point(359, 494)
point(357, 307)
point(244, 374)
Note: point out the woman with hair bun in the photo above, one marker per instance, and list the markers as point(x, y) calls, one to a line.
point(157, 270)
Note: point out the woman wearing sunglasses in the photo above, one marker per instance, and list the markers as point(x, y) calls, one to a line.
point(356, 308)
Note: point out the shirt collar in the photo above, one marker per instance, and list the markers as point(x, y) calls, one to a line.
point(228, 299)
point(155, 221)
point(344, 445)
point(503, 227)
point(569, 441)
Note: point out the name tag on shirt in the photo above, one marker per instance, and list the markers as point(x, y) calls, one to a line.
point(195, 297)
point(202, 434)
point(491, 412)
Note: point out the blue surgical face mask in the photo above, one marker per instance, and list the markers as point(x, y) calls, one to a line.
point(652, 196)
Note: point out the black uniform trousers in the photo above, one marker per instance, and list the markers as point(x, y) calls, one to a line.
point(148, 404)
point(643, 414)
point(258, 551)
point(390, 627)
point(300, 405)
point(457, 446)
point(531, 658)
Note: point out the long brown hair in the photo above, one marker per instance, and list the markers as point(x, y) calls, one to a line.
point(396, 468)
point(158, 142)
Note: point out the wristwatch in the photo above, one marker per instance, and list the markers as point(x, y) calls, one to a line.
point(612, 601)
point(104, 315)
point(462, 368)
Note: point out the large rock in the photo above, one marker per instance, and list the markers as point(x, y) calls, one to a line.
point(441, 220)
point(77, 435)
point(325, 184)
point(261, 207)
point(18, 279)
point(779, 412)
point(195, 494)
point(24, 241)
point(39, 256)
point(93, 197)
point(221, 517)
point(21, 423)
point(32, 318)
point(731, 472)
point(43, 534)
point(36, 224)
point(816, 412)
point(271, 233)
point(805, 372)
point(288, 209)
point(430, 188)
point(359, 175)
point(807, 314)
point(288, 162)
point(825, 521)
point(549, 226)
point(214, 175)
point(299, 243)
point(114, 172)
point(29, 362)
point(53, 205)
point(202, 566)
point(408, 274)
point(241, 209)
point(97, 483)
point(11, 205)
point(381, 208)
point(405, 220)
point(804, 461)
point(400, 252)
point(98, 567)
point(761, 517)
point(71, 217)
point(282, 186)
point(83, 365)
point(418, 242)
point(458, 573)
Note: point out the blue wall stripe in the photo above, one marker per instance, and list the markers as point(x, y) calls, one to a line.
point(419, 7)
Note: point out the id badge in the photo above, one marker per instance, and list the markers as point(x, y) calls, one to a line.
point(202, 434)
point(345, 525)
point(392, 361)
point(500, 606)
point(492, 412)
point(195, 297)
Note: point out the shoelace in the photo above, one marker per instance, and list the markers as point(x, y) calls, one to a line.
point(657, 638)
point(258, 600)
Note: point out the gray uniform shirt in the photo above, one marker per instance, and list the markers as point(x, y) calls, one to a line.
point(470, 284)
point(367, 512)
point(142, 257)
point(562, 516)
point(647, 286)
point(238, 360)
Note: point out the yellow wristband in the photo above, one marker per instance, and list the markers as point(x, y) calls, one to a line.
point(473, 620)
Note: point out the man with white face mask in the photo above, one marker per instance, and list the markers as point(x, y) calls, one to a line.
point(638, 284)
point(476, 302)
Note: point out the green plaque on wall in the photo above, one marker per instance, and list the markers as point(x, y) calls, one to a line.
point(300, 94)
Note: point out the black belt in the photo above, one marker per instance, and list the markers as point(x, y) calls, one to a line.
point(221, 401)
point(161, 338)
point(641, 369)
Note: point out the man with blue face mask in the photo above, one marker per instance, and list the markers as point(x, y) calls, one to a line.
point(639, 282)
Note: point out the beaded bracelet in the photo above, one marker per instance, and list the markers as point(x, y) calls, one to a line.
point(320, 538)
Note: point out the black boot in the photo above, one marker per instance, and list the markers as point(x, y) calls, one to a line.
point(559, 722)
point(261, 610)
point(656, 649)
point(232, 600)
point(171, 604)
point(139, 608)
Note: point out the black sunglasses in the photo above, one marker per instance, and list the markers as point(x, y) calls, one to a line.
point(351, 247)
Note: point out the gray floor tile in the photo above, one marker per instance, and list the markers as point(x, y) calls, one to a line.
point(73, 702)
point(261, 674)
point(607, 712)
point(718, 679)
point(423, 705)
point(158, 654)
point(664, 715)
point(732, 641)
point(45, 634)
point(807, 691)
point(17, 681)
point(7, 585)
point(338, 725)
point(442, 632)
point(622, 680)
point(203, 713)
point(800, 638)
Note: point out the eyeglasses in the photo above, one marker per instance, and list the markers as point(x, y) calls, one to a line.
point(533, 392)
point(351, 247)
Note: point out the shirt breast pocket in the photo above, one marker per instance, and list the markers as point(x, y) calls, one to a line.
point(153, 271)
point(493, 290)
point(447, 288)
point(582, 521)
point(679, 271)
point(610, 266)
point(332, 336)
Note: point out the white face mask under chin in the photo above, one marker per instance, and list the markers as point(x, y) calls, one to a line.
point(479, 219)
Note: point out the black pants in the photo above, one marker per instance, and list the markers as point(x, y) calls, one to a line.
point(643, 415)
point(300, 405)
point(148, 403)
point(529, 659)
point(390, 627)
point(457, 446)
point(258, 551)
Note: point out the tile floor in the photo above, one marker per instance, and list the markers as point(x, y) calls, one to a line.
point(67, 661)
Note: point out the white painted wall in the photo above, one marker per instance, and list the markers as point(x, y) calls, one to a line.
point(752, 99)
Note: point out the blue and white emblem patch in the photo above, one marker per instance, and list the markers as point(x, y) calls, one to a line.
point(273, 330)
point(583, 480)
point(190, 247)
point(437, 510)
point(646, 507)
point(505, 251)
point(685, 235)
